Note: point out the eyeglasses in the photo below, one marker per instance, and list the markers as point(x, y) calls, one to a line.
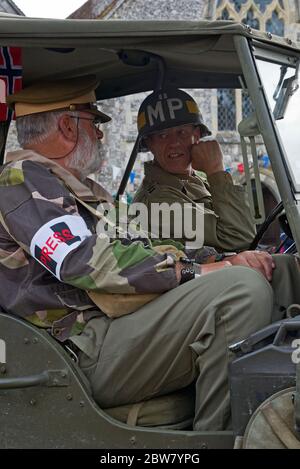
point(95, 121)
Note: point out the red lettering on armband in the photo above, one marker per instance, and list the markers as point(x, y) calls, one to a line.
point(47, 250)
point(45, 260)
point(67, 234)
point(50, 244)
point(63, 236)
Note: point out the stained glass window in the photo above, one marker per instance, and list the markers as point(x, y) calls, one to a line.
point(275, 25)
point(247, 106)
point(262, 4)
point(250, 20)
point(265, 15)
point(226, 109)
point(225, 15)
point(238, 4)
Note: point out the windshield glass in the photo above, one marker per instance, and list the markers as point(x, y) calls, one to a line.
point(278, 83)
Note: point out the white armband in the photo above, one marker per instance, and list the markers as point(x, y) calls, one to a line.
point(56, 239)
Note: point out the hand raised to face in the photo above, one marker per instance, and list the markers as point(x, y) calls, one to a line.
point(207, 156)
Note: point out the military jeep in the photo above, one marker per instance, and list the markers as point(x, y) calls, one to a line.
point(45, 400)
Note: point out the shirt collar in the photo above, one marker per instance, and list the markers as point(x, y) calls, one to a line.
point(158, 175)
point(89, 190)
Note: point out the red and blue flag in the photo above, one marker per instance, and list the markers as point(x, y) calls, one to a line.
point(10, 78)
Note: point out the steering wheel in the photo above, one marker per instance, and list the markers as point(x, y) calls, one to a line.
point(278, 211)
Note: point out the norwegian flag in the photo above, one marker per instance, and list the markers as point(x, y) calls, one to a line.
point(10, 78)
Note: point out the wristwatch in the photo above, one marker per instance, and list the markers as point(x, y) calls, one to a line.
point(222, 255)
point(187, 274)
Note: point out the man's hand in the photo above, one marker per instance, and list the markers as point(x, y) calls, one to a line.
point(207, 156)
point(259, 260)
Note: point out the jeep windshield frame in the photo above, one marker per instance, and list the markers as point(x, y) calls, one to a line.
point(278, 73)
point(250, 54)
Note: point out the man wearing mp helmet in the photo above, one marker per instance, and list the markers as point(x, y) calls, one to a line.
point(171, 126)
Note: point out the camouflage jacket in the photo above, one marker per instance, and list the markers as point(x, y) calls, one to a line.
point(50, 252)
point(227, 218)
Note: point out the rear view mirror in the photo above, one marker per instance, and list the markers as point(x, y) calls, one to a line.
point(288, 88)
point(284, 91)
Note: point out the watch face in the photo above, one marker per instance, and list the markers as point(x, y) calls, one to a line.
point(187, 273)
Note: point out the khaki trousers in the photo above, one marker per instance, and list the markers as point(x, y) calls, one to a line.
point(181, 337)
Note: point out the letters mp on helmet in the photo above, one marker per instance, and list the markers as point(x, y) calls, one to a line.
point(167, 108)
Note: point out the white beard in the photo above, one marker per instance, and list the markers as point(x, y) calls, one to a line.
point(87, 157)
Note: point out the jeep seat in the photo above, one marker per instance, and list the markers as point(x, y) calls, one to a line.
point(174, 411)
point(40, 367)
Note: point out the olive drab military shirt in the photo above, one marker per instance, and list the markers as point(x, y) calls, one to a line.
point(227, 220)
point(50, 253)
